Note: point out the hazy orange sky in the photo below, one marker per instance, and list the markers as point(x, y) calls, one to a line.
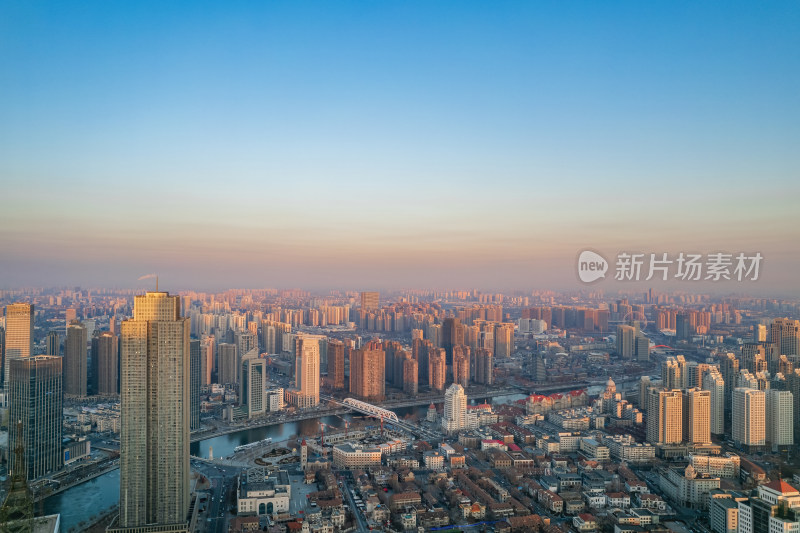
point(448, 145)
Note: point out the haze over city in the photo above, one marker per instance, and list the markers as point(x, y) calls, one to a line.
point(393, 145)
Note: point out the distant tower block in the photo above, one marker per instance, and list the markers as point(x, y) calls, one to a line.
point(303, 454)
point(210, 453)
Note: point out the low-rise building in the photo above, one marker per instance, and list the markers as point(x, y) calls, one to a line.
point(433, 460)
point(585, 522)
point(618, 500)
point(726, 466)
point(355, 456)
point(260, 493)
point(687, 487)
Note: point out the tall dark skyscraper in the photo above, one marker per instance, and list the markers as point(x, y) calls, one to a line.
point(105, 364)
point(336, 364)
point(410, 375)
point(461, 370)
point(36, 396)
point(452, 335)
point(228, 370)
point(484, 366)
point(53, 344)
point(75, 360)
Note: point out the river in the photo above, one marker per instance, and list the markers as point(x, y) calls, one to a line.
point(96, 496)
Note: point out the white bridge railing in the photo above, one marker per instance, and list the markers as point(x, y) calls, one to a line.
point(369, 409)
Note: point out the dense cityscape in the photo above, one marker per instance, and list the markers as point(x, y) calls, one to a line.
point(292, 411)
point(412, 267)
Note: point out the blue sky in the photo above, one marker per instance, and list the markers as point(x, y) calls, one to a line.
point(391, 143)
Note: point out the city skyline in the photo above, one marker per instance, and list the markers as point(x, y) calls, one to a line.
point(393, 145)
point(693, 394)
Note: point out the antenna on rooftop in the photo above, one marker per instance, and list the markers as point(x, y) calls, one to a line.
point(148, 276)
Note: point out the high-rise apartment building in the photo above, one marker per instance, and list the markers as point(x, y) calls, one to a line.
point(683, 327)
point(641, 348)
point(452, 335)
point(155, 416)
point(397, 359)
point(455, 409)
point(754, 357)
point(729, 368)
point(749, 417)
point(52, 344)
point(484, 366)
point(437, 368)
point(673, 372)
point(246, 343)
point(208, 349)
point(461, 365)
point(747, 380)
point(2, 353)
point(503, 340)
point(664, 416)
point(695, 373)
point(75, 360)
point(715, 385)
point(626, 336)
point(370, 301)
point(306, 375)
point(434, 334)
point(228, 370)
point(410, 375)
point(35, 408)
point(759, 333)
point(252, 390)
point(19, 335)
point(779, 419)
point(367, 372)
point(105, 364)
point(697, 416)
point(785, 333)
point(268, 333)
point(195, 379)
point(642, 388)
point(336, 364)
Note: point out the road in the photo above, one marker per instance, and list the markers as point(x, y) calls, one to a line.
point(361, 521)
point(215, 517)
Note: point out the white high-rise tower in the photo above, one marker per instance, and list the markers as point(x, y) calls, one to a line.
point(749, 413)
point(455, 409)
point(780, 419)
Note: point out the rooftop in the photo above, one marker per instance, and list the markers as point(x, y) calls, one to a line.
point(781, 486)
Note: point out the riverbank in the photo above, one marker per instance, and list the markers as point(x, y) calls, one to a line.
point(114, 465)
point(421, 400)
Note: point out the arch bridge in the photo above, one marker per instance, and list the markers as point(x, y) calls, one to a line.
point(371, 410)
